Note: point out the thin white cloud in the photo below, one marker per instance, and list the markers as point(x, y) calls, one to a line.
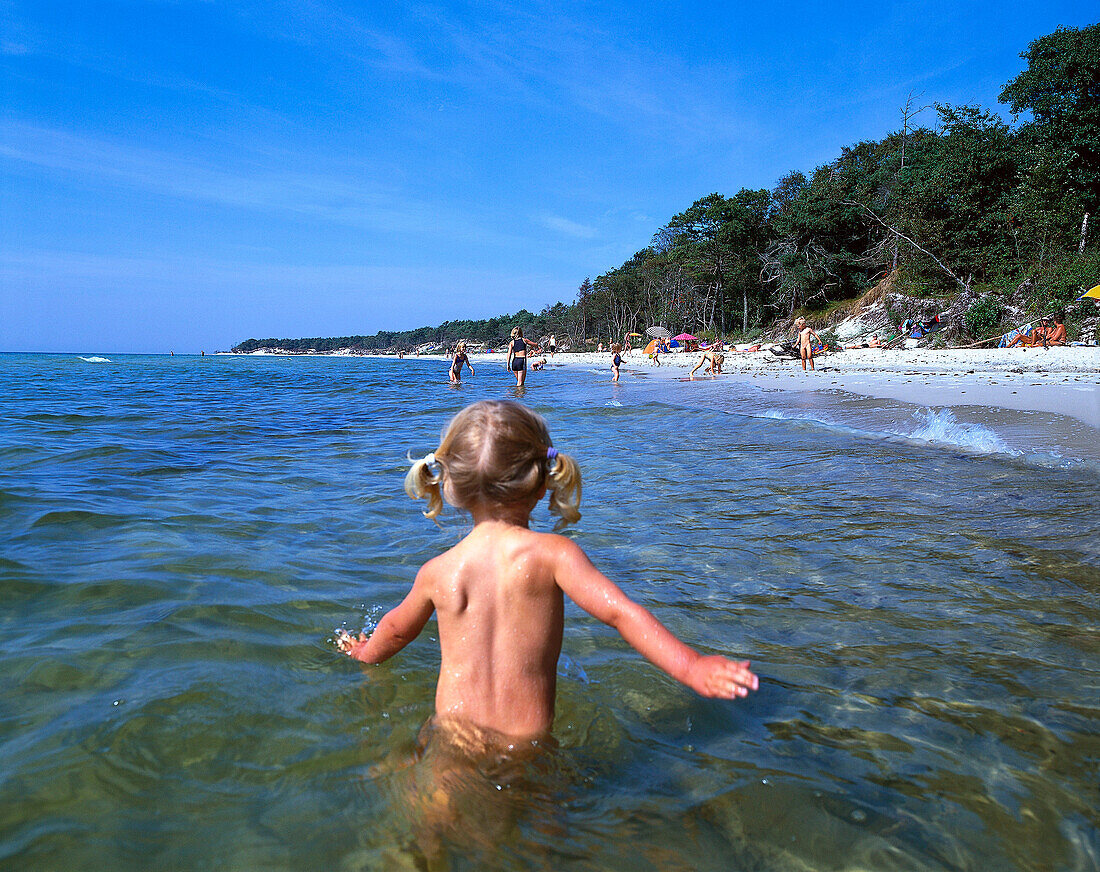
point(272, 187)
point(47, 268)
point(569, 228)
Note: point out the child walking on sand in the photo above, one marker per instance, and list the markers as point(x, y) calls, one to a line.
point(805, 347)
point(499, 593)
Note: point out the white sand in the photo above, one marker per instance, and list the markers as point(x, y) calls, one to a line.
point(1059, 380)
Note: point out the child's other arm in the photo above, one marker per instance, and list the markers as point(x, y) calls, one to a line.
point(600, 597)
point(398, 627)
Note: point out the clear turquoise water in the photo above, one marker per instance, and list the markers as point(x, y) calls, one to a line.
point(179, 537)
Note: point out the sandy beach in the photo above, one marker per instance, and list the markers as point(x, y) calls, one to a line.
point(1058, 380)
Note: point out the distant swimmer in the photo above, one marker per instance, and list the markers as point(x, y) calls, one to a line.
point(457, 362)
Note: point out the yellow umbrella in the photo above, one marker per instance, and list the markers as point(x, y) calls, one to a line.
point(1092, 292)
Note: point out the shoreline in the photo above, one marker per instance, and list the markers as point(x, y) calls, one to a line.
point(1060, 380)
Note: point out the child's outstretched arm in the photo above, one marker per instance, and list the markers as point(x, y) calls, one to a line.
point(602, 598)
point(399, 626)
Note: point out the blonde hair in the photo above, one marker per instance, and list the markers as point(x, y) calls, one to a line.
point(461, 346)
point(497, 452)
point(517, 332)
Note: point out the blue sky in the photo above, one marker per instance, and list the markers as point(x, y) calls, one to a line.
point(185, 175)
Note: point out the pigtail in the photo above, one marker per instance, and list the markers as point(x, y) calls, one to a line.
point(422, 483)
point(563, 480)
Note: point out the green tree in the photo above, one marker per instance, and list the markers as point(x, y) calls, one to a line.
point(1061, 90)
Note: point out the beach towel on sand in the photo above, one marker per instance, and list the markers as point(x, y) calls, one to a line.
point(1008, 337)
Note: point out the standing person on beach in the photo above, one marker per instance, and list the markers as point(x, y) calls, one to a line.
point(553, 345)
point(805, 347)
point(499, 594)
point(457, 361)
point(616, 361)
point(517, 355)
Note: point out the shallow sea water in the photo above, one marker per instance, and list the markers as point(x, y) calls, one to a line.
point(918, 588)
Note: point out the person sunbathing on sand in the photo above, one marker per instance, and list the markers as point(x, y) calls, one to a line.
point(1056, 335)
point(1038, 336)
point(873, 342)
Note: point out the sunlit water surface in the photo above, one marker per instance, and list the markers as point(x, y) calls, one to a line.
point(179, 537)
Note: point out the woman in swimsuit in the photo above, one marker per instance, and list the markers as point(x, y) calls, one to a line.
point(457, 361)
point(616, 361)
point(517, 355)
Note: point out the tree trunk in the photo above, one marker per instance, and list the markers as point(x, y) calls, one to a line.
point(1084, 233)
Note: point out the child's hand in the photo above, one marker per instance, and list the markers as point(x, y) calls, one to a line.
point(721, 677)
point(349, 644)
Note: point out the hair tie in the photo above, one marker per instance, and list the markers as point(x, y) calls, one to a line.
point(551, 453)
point(434, 469)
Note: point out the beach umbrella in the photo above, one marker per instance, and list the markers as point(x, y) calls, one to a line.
point(639, 335)
point(685, 337)
point(1091, 293)
point(659, 332)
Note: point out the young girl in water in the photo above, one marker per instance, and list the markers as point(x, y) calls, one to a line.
point(460, 357)
point(499, 593)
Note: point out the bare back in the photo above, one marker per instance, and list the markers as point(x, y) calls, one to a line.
point(500, 616)
point(499, 596)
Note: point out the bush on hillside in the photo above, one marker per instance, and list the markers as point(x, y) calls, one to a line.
point(983, 318)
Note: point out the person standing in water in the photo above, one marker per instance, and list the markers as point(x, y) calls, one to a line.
point(517, 355)
point(805, 347)
point(616, 361)
point(457, 361)
point(499, 594)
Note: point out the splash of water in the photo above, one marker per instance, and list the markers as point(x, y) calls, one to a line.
point(941, 427)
